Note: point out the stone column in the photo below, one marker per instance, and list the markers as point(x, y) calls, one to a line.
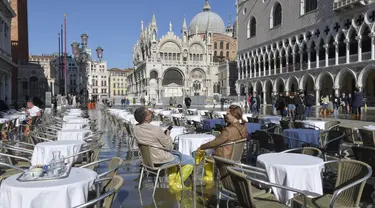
point(309, 58)
point(8, 88)
point(317, 96)
point(246, 66)
point(301, 59)
point(317, 57)
point(337, 91)
point(347, 51)
point(274, 63)
point(281, 64)
point(372, 46)
point(250, 68)
point(286, 62)
point(294, 61)
point(359, 39)
point(264, 96)
point(326, 47)
point(269, 65)
point(255, 69)
point(259, 74)
point(264, 66)
point(336, 53)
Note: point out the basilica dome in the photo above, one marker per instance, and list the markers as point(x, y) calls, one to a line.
point(207, 21)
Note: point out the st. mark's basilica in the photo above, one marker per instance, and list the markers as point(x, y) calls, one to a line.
point(186, 64)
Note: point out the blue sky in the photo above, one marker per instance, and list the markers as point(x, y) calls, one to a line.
point(112, 24)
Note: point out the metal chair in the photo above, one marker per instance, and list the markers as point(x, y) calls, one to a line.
point(305, 151)
point(150, 167)
point(351, 179)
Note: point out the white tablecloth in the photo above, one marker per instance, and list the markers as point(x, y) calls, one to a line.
point(176, 131)
point(320, 124)
point(189, 143)
point(202, 112)
point(42, 154)
point(66, 118)
point(292, 170)
point(73, 134)
point(156, 123)
point(63, 193)
point(370, 128)
point(177, 115)
point(197, 118)
point(77, 125)
point(78, 114)
point(165, 112)
point(272, 119)
point(78, 120)
point(244, 116)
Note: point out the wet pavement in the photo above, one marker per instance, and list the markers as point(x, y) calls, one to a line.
point(129, 196)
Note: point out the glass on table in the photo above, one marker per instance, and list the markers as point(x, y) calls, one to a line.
point(57, 165)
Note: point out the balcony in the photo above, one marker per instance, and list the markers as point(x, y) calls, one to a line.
point(347, 4)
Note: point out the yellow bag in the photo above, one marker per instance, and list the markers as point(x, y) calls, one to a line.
point(209, 177)
point(199, 155)
point(172, 173)
point(186, 171)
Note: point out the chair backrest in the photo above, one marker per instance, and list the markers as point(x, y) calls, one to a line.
point(263, 139)
point(331, 124)
point(348, 133)
point(285, 124)
point(298, 125)
point(350, 171)
point(334, 141)
point(225, 182)
point(279, 142)
point(146, 155)
point(115, 162)
point(367, 137)
point(237, 149)
point(311, 151)
point(242, 187)
point(366, 155)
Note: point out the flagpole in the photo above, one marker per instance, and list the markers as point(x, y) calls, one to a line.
point(65, 65)
point(59, 58)
point(61, 64)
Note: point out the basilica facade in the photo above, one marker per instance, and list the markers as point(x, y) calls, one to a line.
point(185, 64)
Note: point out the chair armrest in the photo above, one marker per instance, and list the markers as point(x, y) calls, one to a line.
point(167, 150)
point(16, 157)
point(234, 142)
point(17, 149)
point(96, 162)
point(96, 200)
point(12, 166)
point(108, 171)
point(333, 140)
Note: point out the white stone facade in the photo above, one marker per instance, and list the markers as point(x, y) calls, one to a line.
point(98, 80)
point(311, 45)
point(177, 65)
point(6, 64)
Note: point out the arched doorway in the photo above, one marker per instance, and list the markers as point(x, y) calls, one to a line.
point(279, 86)
point(292, 84)
point(154, 85)
point(268, 87)
point(325, 84)
point(307, 84)
point(33, 87)
point(366, 79)
point(173, 83)
point(346, 81)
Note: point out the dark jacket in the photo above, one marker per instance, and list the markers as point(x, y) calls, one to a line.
point(233, 132)
point(291, 100)
point(187, 101)
point(281, 103)
point(357, 100)
point(309, 100)
point(336, 101)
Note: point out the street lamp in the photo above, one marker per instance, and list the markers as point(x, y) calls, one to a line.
point(82, 58)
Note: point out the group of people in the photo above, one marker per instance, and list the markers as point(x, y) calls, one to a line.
point(293, 105)
point(148, 134)
point(125, 102)
point(347, 103)
point(254, 103)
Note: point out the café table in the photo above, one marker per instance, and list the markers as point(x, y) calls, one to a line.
point(176, 131)
point(73, 134)
point(75, 125)
point(197, 118)
point(252, 127)
point(61, 193)
point(271, 119)
point(220, 114)
point(320, 124)
point(188, 143)
point(302, 172)
point(310, 136)
point(42, 153)
point(209, 124)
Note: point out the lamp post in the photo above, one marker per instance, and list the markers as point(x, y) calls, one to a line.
point(82, 58)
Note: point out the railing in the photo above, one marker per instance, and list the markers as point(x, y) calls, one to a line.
point(339, 4)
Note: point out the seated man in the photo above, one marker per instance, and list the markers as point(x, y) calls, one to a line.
point(32, 110)
point(147, 133)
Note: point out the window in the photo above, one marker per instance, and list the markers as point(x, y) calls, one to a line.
point(215, 53)
point(221, 45)
point(221, 53)
point(24, 85)
point(308, 5)
point(276, 15)
point(227, 54)
point(215, 45)
point(253, 26)
point(114, 85)
point(227, 46)
point(248, 29)
point(122, 92)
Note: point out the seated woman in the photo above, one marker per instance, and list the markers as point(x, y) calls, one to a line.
point(236, 130)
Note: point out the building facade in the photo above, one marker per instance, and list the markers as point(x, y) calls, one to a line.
point(51, 73)
point(19, 39)
point(31, 82)
point(180, 65)
point(117, 82)
point(98, 80)
point(6, 63)
point(321, 46)
point(228, 76)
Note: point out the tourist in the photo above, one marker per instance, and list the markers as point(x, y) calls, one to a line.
point(187, 102)
point(343, 103)
point(281, 105)
point(309, 102)
point(323, 109)
point(336, 104)
point(357, 102)
point(300, 108)
point(254, 104)
point(291, 100)
point(274, 99)
point(222, 102)
point(148, 134)
point(32, 110)
point(349, 101)
point(236, 130)
point(171, 101)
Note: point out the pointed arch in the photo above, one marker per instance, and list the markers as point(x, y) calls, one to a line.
point(265, 82)
point(278, 81)
point(321, 76)
point(289, 81)
point(304, 78)
point(361, 82)
point(341, 75)
point(276, 15)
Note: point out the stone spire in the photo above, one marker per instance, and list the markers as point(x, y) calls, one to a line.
point(207, 6)
point(153, 22)
point(170, 26)
point(184, 25)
